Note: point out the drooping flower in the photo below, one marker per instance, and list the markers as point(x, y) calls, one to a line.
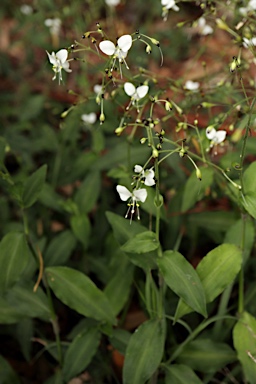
point(134, 197)
point(89, 118)
point(119, 51)
point(247, 43)
point(251, 6)
point(148, 175)
point(191, 85)
point(203, 28)
point(167, 5)
point(135, 93)
point(112, 3)
point(216, 137)
point(53, 25)
point(59, 61)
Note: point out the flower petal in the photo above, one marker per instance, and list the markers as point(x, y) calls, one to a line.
point(149, 177)
point(107, 47)
point(140, 194)
point(138, 168)
point(142, 91)
point(220, 136)
point(52, 58)
point(124, 193)
point(62, 55)
point(125, 42)
point(129, 89)
point(210, 133)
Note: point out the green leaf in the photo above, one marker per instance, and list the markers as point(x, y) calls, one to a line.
point(249, 180)
point(194, 189)
point(242, 227)
point(181, 374)
point(144, 352)
point(9, 314)
point(81, 228)
point(33, 187)
point(118, 288)
point(216, 270)
point(88, 192)
point(29, 303)
point(7, 374)
point(80, 352)
point(14, 256)
point(182, 278)
point(120, 339)
point(141, 243)
point(206, 355)
point(244, 334)
point(60, 248)
point(78, 292)
point(124, 231)
point(249, 203)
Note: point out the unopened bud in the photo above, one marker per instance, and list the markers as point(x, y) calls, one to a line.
point(148, 49)
point(198, 174)
point(204, 104)
point(98, 100)
point(168, 106)
point(222, 25)
point(154, 41)
point(119, 130)
point(155, 153)
point(143, 140)
point(102, 118)
point(64, 114)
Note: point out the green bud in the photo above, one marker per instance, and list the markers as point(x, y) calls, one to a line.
point(148, 49)
point(198, 174)
point(154, 41)
point(98, 100)
point(143, 140)
point(168, 106)
point(102, 118)
point(222, 25)
point(155, 153)
point(204, 104)
point(119, 130)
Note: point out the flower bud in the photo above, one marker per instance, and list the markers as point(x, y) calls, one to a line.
point(154, 41)
point(119, 130)
point(222, 25)
point(148, 49)
point(168, 106)
point(102, 118)
point(198, 174)
point(98, 100)
point(155, 153)
point(143, 140)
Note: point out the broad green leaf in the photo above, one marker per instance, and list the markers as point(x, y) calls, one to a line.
point(244, 335)
point(33, 187)
point(249, 179)
point(60, 248)
point(7, 374)
point(29, 303)
point(213, 221)
point(9, 314)
point(141, 243)
point(182, 278)
point(80, 353)
point(124, 231)
point(118, 288)
point(249, 203)
point(120, 339)
point(51, 199)
point(144, 352)
point(88, 192)
point(25, 331)
point(205, 355)
point(78, 292)
point(195, 189)
point(81, 228)
point(181, 374)
point(242, 227)
point(14, 256)
point(216, 270)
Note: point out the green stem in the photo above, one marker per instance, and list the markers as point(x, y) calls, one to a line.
point(241, 273)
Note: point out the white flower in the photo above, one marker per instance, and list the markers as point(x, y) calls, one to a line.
point(26, 9)
point(134, 197)
point(203, 28)
point(149, 175)
point(119, 51)
point(250, 7)
point(59, 61)
point(89, 118)
point(191, 85)
point(170, 4)
point(135, 93)
point(216, 137)
point(97, 88)
point(112, 3)
point(54, 25)
point(249, 42)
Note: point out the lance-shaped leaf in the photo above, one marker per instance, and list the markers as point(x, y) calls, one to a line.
point(80, 352)
point(216, 270)
point(244, 336)
point(249, 203)
point(14, 256)
point(33, 187)
point(181, 374)
point(144, 352)
point(78, 292)
point(141, 243)
point(182, 278)
point(7, 374)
